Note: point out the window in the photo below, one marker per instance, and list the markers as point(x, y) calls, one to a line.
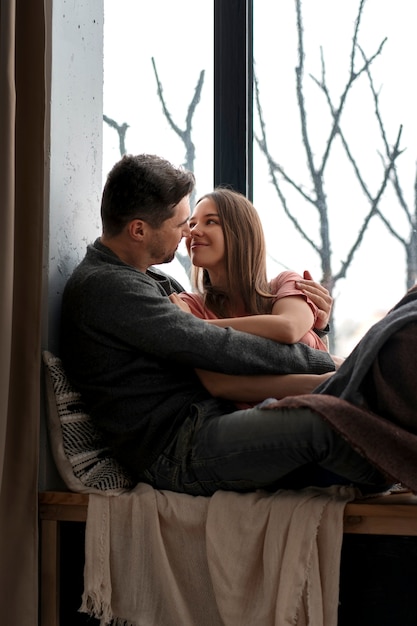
point(215, 37)
point(376, 276)
point(158, 86)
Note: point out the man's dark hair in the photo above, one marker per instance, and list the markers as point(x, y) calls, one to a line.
point(146, 187)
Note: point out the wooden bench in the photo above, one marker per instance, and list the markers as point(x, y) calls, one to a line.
point(394, 514)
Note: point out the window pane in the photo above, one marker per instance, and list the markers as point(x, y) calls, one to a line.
point(178, 38)
point(376, 277)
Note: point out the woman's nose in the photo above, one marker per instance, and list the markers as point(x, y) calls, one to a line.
point(196, 230)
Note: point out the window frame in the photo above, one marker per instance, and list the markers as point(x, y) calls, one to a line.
point(233, 95)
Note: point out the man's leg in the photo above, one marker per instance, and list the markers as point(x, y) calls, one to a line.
point(257, 448)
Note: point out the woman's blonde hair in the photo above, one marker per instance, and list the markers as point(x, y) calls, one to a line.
point(245, 258)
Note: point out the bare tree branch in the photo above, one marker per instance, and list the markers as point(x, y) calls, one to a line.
point(410, 244)
point(282, 180)
point(274, 167)
point(185, 135)
point(392, 157)
point(121, 131)
point(353, 76)
point(299, 72)
point(375, 210)
point(394, 173)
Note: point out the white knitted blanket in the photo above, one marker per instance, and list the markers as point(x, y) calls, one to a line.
point(158, 558)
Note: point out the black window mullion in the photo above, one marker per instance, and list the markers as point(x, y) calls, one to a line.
point(233, 94)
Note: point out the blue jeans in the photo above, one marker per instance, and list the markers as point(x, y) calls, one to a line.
point(257, 449)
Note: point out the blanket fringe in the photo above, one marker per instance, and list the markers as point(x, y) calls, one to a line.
point(95, 607)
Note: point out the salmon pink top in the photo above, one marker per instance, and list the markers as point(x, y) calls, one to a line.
point(281, 286)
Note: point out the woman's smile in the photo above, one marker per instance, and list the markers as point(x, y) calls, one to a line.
point(205, 244)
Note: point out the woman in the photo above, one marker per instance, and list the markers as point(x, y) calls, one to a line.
point(227, 249)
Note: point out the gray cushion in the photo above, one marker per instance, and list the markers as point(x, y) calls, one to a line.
point(82, 459)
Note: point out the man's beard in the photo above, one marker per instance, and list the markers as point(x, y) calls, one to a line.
point(159, 253)
point(169, 258)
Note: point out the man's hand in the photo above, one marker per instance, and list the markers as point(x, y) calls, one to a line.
point(175, 299)
point(320, 296)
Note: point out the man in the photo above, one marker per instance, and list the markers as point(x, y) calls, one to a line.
point(134, 355)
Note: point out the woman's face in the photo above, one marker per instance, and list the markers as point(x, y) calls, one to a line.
point(205, 244)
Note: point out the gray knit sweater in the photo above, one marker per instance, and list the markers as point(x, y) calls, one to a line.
point(132, 353)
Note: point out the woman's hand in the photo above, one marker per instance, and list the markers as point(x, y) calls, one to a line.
point(175, 299)
point(320, 296)
point(338, 360)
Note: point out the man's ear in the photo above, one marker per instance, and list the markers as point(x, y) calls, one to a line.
point(136, 229)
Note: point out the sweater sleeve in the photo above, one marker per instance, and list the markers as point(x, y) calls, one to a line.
point(126, 310)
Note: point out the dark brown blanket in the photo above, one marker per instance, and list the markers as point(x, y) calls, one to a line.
point(372, 399)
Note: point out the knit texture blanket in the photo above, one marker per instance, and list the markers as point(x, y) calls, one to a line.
point(158, 558)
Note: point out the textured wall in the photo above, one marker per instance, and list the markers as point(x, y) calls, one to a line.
point(73, 170)
point(76, 141)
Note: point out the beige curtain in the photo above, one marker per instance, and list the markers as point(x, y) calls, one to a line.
point(22, 117)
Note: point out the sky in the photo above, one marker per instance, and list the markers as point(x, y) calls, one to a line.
point(179, 37)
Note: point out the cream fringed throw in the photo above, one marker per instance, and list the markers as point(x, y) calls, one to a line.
point(158, 558)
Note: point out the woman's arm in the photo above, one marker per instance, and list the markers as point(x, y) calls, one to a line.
point(257, 388)
point(291, 317)
point(296, 317)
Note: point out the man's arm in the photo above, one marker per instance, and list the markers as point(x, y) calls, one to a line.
point(200, 345)
point(129, 312)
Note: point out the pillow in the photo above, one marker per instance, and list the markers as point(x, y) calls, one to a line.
point(82, 459)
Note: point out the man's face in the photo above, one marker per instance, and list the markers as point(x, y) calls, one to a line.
point(164, 240)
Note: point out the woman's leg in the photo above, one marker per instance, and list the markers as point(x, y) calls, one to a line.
point(257, 448)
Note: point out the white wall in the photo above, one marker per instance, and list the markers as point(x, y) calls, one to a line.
point(73, 172)
point(76, 142)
